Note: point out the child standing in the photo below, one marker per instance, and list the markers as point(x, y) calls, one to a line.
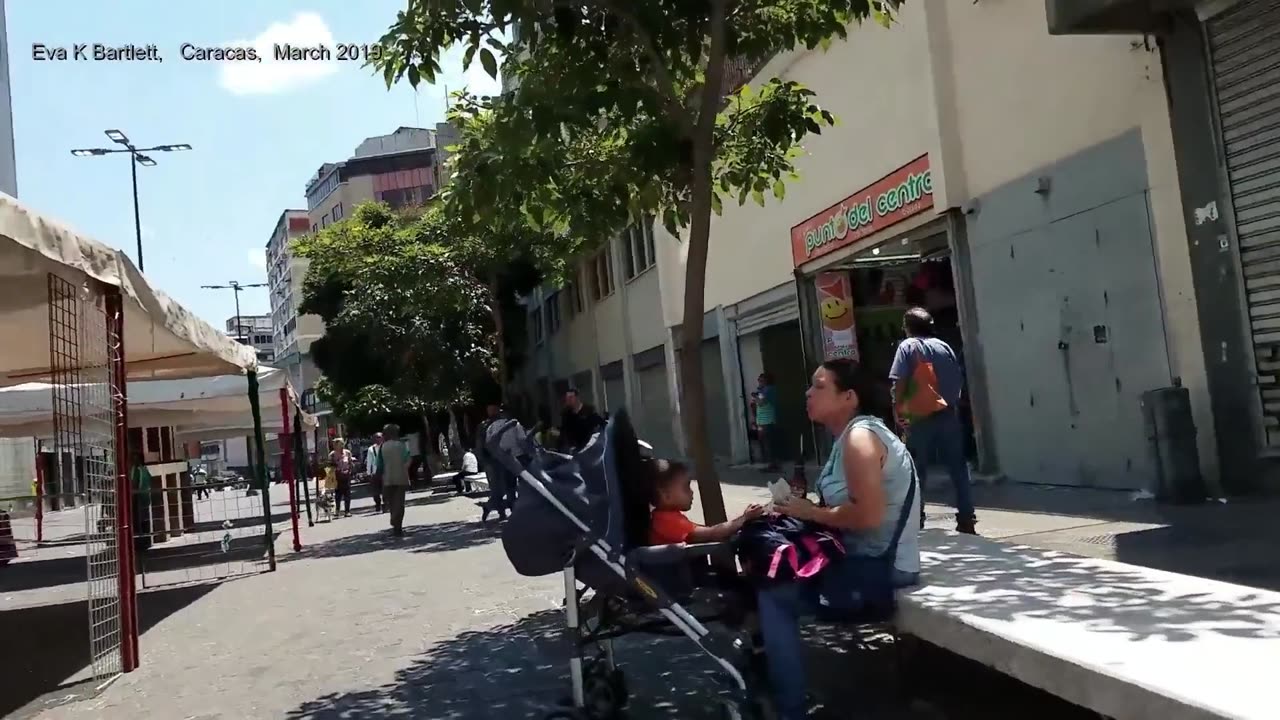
point(673, 497)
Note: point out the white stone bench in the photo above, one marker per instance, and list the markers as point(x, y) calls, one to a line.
point(1125, 641)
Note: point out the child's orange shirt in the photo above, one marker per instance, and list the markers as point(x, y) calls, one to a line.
point(669, 527)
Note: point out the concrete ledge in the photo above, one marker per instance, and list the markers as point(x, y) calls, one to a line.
point(1125, 641)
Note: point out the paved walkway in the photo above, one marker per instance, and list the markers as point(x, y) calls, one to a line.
point(432, 625)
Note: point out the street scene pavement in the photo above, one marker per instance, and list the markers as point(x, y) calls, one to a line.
point(436, 624)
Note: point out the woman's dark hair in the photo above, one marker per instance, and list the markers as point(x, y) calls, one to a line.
point(873, 396)
point(918, 322)
point(767, 377)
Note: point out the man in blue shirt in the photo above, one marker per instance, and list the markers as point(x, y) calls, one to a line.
point(939, 434)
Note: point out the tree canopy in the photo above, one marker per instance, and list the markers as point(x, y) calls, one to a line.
point(622, 109)
point(409, 327)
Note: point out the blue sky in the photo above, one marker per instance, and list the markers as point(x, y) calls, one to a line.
point(259, 130)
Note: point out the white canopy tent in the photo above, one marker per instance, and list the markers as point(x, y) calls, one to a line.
point(211, 408)
point(162, 339)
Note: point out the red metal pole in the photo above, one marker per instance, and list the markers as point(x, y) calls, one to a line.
point(124, 490)
point(286, 464)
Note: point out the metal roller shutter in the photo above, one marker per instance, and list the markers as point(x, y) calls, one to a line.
point(1244, 53)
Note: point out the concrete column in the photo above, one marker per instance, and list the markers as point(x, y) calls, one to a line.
point(673, 387)
point(731, 370)
point(630, 382)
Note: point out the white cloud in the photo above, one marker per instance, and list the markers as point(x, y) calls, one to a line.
point(258, 258)
point(270, 76)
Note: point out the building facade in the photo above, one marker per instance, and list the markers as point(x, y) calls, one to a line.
point(257, 331)
point(1222, 76)
point(292, 332)
point(1047, 195)
point(402, 169)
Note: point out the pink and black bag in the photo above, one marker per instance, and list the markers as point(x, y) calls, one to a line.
point(777, 549)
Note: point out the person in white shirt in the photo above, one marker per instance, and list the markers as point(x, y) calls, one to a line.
point(470, 466)
point(373, 469)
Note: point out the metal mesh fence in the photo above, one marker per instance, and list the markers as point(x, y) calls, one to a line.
point(84, 448)
point(192, 530)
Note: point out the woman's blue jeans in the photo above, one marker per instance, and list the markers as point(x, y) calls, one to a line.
point(781, 609)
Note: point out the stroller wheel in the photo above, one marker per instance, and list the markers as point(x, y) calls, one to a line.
point(602, 699)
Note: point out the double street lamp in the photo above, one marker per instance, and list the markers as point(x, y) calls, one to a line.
point(137, 157)
point(236, 286)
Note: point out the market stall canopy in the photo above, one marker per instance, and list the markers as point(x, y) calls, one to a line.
point(211, 408)
point(162, 339)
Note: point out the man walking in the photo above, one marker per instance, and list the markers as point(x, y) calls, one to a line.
point(395, 475)
point(927, 383)
point(501, 495)
point(373, 470)
point(578, 422)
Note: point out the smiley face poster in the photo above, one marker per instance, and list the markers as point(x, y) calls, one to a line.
point(835, 305)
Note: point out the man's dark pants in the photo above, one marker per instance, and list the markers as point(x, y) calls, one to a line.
point(393, 495)
point(375, 490)
point(941, 435)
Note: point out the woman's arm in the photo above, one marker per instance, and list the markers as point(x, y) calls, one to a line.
point(864, 475)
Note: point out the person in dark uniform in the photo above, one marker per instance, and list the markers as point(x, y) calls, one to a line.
point(578, 422)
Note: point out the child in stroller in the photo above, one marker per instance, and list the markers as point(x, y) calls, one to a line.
point(588, 516)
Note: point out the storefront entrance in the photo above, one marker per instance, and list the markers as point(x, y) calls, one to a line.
point(883, 283)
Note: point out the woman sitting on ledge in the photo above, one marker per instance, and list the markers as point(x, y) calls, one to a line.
point(868, 492)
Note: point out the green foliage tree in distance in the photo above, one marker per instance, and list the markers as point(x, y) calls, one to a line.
point(620, 112)
point(409, 328)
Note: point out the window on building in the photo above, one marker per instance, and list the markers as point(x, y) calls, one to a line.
point(535, 324)
point(315, 227)
point(337, 212)
point(406, 197)
point(638, 251)
point(601, 275)
point(577, 302)
point(551, 309)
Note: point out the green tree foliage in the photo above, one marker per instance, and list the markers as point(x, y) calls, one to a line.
point(409, 327)
point(622, 110)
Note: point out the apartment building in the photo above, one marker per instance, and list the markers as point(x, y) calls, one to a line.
point(1049, 196)
point(256, 331)
point(292, 333)
point(402, 169)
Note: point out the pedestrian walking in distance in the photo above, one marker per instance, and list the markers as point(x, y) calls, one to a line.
point(395, 475)
point(344, 467)
point(927, 382)
point(578, 422)
point(373, 470)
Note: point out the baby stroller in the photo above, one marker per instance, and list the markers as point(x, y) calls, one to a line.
point(587, 516)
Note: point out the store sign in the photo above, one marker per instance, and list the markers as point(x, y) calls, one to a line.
point(835, 305)
point(901, 194)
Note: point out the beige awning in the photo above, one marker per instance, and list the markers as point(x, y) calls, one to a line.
point(163, 340)
point(210, 408)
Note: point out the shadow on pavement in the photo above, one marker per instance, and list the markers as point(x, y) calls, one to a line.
point(47, 645)
point(438, 537)
point(992, 580)
point(518, 671)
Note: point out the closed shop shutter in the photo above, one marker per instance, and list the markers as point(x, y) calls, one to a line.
point(1244, 52)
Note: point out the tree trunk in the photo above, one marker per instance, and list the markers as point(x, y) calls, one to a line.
point(692, 395)
point(427, 445)
point(499, 329)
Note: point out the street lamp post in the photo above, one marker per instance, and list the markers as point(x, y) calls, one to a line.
point(136, 158)
point(235, 287)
